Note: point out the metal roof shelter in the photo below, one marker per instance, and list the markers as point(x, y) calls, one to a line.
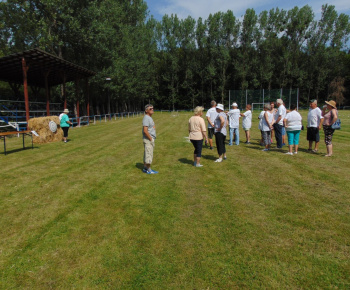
point(36, 67)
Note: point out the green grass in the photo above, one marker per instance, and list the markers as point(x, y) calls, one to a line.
point(83, 215)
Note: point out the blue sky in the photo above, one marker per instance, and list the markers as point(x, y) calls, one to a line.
point(202, 8)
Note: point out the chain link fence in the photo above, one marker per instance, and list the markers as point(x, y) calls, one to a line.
point(258, 97)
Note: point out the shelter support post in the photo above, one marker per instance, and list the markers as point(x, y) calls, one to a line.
point(64, 91)
point(25, 88)
point(47, 91)
point(88, 99)
point(77, 96)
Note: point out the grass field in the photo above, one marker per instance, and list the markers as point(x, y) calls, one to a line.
point(83, 215)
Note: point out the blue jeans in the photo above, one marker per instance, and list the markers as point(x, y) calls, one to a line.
point(234, 131)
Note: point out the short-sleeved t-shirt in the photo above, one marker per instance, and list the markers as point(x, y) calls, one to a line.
point(261, 117)
point(281, 112)
point(247, 119)
point(234, 116)
point(314, 117)
point(217, 123)
point(196, 126)
point(212, 114)
point(148, 122)
point(64, 120)
point(293, 121)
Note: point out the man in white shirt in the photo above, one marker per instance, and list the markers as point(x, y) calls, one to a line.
point(278, 125)
point(211, 116)
point(314, 124)
point(234, 114)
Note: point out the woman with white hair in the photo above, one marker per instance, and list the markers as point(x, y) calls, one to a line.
point(266, 126)
point(220, 132)
point(197, 131)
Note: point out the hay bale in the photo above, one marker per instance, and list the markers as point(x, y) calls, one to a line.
point(41, 126)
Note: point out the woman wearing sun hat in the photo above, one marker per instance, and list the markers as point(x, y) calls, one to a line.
point(65, 124)
point(220, 132)
point(330, 116)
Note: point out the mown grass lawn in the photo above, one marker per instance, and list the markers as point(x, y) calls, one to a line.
point(83, 215)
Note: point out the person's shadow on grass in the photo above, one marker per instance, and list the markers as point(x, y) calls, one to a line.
point(209, 157)
point(139, 166)
point(186, 161)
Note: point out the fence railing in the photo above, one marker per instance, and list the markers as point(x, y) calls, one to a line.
point(14, 122)
point(95, 119)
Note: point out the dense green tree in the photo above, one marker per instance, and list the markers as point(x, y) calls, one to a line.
point(179, 63)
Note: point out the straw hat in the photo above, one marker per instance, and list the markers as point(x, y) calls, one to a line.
point(220, 107)
point(332, 104)
point(66, 111)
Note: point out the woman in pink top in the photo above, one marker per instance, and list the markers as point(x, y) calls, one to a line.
point(198, 131)
point(330, 116)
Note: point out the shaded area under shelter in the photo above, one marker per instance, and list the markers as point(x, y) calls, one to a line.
point(38, 68)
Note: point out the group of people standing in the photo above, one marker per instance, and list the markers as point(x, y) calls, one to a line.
point(218, 120)
point(279, 121)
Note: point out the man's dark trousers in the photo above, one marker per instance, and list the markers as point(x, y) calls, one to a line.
point(278, 134)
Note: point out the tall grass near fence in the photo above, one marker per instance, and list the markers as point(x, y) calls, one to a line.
point(83, 215)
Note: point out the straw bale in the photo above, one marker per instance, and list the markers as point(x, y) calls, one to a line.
point(41, 126)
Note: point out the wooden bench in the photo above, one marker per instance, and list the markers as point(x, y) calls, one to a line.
point(4, 134)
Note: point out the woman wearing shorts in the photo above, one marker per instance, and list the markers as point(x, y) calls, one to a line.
point(247, 122)
point(292, 123)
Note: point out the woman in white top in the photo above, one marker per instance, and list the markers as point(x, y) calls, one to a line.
point(266, 126)
point(220, 132)
point(247, 122)
point(292, 123)
point(197, 130)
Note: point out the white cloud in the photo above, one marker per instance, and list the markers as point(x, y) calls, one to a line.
point(202, 8)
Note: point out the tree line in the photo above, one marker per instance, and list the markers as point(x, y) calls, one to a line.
point(181, 63)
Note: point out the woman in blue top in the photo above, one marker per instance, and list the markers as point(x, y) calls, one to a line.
point(65, 123)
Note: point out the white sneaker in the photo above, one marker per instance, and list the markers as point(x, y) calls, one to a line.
point(218, 160)
point(295, 153)
point(199, 165)
point(289, 153)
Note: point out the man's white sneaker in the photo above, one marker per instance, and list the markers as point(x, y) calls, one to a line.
point(218, 160)
point(289, 153)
